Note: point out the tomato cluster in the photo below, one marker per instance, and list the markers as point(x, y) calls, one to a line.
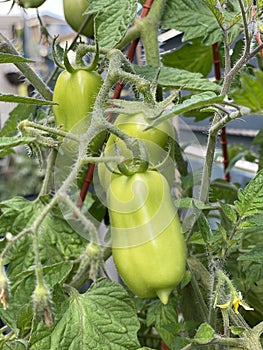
point(148, 247)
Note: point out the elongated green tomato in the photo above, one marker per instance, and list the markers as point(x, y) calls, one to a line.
point(148, 247)
point(73, 12)
point(75, 94)
point(30, 3)
point(156, 140)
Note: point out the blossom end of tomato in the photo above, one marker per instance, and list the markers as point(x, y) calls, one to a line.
point(163, 295)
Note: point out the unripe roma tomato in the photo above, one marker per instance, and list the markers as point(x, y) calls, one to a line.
point(75, 94)
point(148, 247)
point(30, 3)
point(73, 12)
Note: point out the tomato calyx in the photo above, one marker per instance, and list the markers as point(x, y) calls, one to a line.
point(66, 65)
point(139, 162)
point(132, 166)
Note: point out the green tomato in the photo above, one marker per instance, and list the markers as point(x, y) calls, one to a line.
point(30, 3)
point(75, 94)
point(156, 141)
point(148, 247)
point(73, 12)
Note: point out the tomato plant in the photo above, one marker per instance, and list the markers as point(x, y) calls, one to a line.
point(185, 238)
point(73, 12)
point(148, 246)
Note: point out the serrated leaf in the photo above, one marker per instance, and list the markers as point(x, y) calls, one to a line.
point(196, 101)
point(250, 198)
point(10, 142)
point(220, 189)
point(204, 334)
point(254, 255)
point(194, 18)
point(212, 5)
point(9, 58)
point(58, 242)
point(253, 225)
point(229, 212)
point(192, 56)
point(112, 19)
point(19, 312)
point(177, 78)
point(251, 93)
point(162, 316)
point(26, 100)
point(102, 318)
point(199, 19)
point(204, 226)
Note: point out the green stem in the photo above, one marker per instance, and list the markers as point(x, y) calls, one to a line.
point(28, 72)
point(49, 172)
point(89, 226)
point(28, 124)
point(149, 32)
point(228, 78)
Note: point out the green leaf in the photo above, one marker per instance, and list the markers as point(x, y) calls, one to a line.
point(204, 226)
point(229, 212)
point(18, 114)
point(237, 330)
point(17, 344)
point(112, 19)
point(177, 78)
point(250, 198)
point(200, 19)
point(251, 93)
point(162, 316)
point(26, 100)
point(194, 18)
point(19, 313)
point(57, 241)
point(192, 56)
point(9, 58)
point(255, 255)
point(102, 318)
point(204, 334)
point(196, 101)
point(220, 189)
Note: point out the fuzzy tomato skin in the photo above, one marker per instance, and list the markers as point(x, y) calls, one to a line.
point(156, 141)
point(73, 12)
point(30, 3)
point(148, 247)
